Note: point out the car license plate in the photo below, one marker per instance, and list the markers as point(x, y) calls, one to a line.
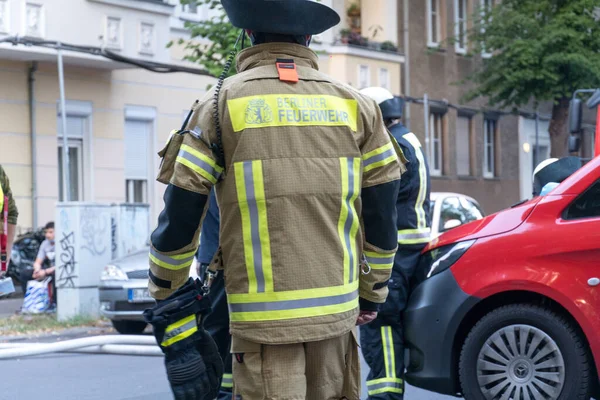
point(139, 296)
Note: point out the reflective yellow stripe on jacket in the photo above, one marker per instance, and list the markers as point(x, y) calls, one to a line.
point(414, 236)
point(180, 330)
point(379, 260)
point(1, 203)
point(255, 228)
point(227, 381)
point(379, 157)
point(199, 163)
point(349, 222)
point(262, 303)
point(422, 234)
point(174, 263)
point(292, 304)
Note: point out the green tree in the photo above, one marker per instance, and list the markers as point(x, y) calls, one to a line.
point(543, 50)
point(212, 40)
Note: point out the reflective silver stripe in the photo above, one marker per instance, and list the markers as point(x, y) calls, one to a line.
point(255, 234)
point(382, 385)
point(293, 304)
point(200, 163)
point(350, 217)
point(422, 195)
point(380, 157)
point(388, 349)
point(171, 334)
point(170, 260)
point(377, 260)
point(413, 236)
point(227, 381)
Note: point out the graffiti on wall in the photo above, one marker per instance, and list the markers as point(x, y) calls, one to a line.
point(94, 227)
point(113, 236)
point(66, 269)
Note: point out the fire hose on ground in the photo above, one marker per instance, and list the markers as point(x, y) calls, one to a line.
point(111, 344)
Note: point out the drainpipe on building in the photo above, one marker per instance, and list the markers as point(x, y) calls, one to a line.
point(406, 65)
point(597, 133)
point(426, 116)
point(536, 153)
point(63, 114)
point(32, 116)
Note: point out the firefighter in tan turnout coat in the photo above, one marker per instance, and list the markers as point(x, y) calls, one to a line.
point(306, 178)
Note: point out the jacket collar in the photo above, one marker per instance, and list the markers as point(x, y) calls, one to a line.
point(266, 54)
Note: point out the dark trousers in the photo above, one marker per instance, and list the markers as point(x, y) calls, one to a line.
point(217, 324)
point(382, 341)
point(382, 344)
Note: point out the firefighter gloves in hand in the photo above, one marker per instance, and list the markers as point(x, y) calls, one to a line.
point(193, 364)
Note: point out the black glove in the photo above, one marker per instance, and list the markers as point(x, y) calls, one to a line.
point(194, 366)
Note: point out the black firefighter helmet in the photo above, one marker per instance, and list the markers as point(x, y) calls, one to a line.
point(285, 17)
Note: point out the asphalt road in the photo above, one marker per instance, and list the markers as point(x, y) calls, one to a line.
point(100, 377)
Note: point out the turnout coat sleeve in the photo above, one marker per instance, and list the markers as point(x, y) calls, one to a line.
point(190, 169)
point(383, 163)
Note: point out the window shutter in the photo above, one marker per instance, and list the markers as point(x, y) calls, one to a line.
point(137, 143)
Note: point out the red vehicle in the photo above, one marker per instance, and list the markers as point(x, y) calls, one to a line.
point(508, 307)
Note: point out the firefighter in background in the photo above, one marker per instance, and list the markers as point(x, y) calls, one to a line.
point(306, 178)
point(8, 220)
point(382, 341)
point(216, 322)
point(551, 172)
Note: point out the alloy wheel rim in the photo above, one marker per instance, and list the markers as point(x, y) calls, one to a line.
point(520, 362)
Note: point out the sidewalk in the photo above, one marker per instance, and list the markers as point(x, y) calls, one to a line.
point(10, 305)
point(64, 334)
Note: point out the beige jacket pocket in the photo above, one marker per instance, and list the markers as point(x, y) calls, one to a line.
point(168, 156)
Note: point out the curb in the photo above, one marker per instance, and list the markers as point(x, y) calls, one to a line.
point(70, 333)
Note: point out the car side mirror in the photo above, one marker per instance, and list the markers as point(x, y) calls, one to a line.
point(575, 110)
point(574, 143)
point(452, 223)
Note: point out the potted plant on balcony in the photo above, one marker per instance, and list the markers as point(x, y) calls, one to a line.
point(389, 46)
point(349, 37)
point(353, 14)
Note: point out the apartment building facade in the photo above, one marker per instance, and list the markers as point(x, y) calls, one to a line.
point(119, 116)
point(472, 148)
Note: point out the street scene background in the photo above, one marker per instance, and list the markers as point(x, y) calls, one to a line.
point(91, 89)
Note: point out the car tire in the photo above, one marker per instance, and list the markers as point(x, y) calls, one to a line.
point(129, 327)
point(554, 351)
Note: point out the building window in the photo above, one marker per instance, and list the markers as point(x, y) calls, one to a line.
point(436, 156)
point(489, 148)
point(433, 23)
point(136, 190)
point(191, 8)
point(76, 131)
point(4, 16)
point(463, 145)
point(460, 26)
point(363, 76)
point(486, 7)
point(384, 78)
point(137, 159)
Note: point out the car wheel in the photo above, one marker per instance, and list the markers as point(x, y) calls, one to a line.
point(129, 327)
point(525, 352)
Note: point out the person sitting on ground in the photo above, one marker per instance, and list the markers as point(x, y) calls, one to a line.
point(43, 265)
